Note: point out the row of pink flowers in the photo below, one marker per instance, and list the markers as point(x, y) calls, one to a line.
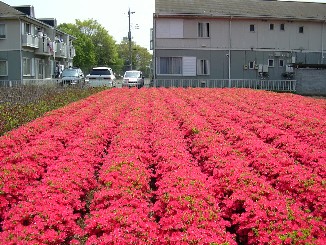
point(252, 198)
point(186, 208)
point(46, 182)
point(120, 211)
point(305, 181)
point(281, 123)
point(167, 166)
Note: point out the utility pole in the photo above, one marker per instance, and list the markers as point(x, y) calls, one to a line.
point(129, 39)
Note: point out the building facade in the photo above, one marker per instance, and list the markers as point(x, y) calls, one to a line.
point(31, 48)
point(236, 39)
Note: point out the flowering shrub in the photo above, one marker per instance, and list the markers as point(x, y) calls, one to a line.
point(168, 166)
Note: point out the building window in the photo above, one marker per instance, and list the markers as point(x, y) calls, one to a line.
point(27, 66)
point(27, 28)
point(271, 27)
point(300, 29)
point(281, 63)
point(270, 63)
point(203, 67)
point(203, 29)
point(2, 31)
point(252, 28)
point(170, 65)
point(251, 64)
point(282, 27)
point(3, 68)
point(152, 39)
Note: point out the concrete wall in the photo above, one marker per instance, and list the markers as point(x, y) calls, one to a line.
point(14, 64)
point(236, 35)
point(13, 36)
point(219, 62)
point(311, 81)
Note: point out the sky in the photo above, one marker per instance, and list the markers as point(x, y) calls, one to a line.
point(111, 14)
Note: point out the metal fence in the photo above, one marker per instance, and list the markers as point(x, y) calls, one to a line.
point(17, 83)
point(272, 85)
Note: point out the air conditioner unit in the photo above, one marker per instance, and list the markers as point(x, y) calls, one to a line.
point(289, 68)
point(260, 68)
point(256, 67)
point(265, 68)
point(245, 67)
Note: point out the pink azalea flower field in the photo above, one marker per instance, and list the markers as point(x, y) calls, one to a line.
point(168, 166)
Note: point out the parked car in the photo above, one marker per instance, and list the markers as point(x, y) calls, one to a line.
point(101, 76)
point(72, 76)
point(133, 79)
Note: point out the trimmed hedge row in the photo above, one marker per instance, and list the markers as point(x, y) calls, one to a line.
point(24, 104)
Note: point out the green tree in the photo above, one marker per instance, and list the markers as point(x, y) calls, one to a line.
point(85, 51)
point(105, 46)
point(141, 58)
point(94, 46)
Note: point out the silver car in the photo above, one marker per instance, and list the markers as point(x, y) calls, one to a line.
point(72, 76)
point(133, 79)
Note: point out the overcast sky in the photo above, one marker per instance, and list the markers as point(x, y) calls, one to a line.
point(112, 15)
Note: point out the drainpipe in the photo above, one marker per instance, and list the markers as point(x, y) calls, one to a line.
point(21, 50)
point(154, 47)
point(229, 53)
point(322, 43)
point(54, 47)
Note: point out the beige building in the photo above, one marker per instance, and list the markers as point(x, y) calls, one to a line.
point(236, 39)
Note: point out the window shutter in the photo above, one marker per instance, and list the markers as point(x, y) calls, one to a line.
point(33, 66)
point(23, 27)
point(169, 29)
point(189, 66)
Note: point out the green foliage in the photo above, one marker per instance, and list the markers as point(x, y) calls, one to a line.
point(141, 58)
point(94, 46)
point(86, 54)
point(35, 102)
point(85, 50)
point(296, 236)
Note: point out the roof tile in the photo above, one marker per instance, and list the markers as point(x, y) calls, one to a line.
point(241, 8)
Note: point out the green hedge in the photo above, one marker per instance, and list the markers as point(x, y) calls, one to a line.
point(24, 104)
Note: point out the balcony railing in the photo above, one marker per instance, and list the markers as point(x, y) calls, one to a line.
point(44, 46)
point(29, 40)
point(71, 52)
point(61, 50)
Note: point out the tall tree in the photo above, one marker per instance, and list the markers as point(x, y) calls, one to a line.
point(93, 43)
point(104, 44)
point(141, 58)
point(85, 51)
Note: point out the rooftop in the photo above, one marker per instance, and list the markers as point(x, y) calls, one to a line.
point(243, 8)
point(6, 10)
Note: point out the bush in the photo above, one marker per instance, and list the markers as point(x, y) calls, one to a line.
point(19, 105)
